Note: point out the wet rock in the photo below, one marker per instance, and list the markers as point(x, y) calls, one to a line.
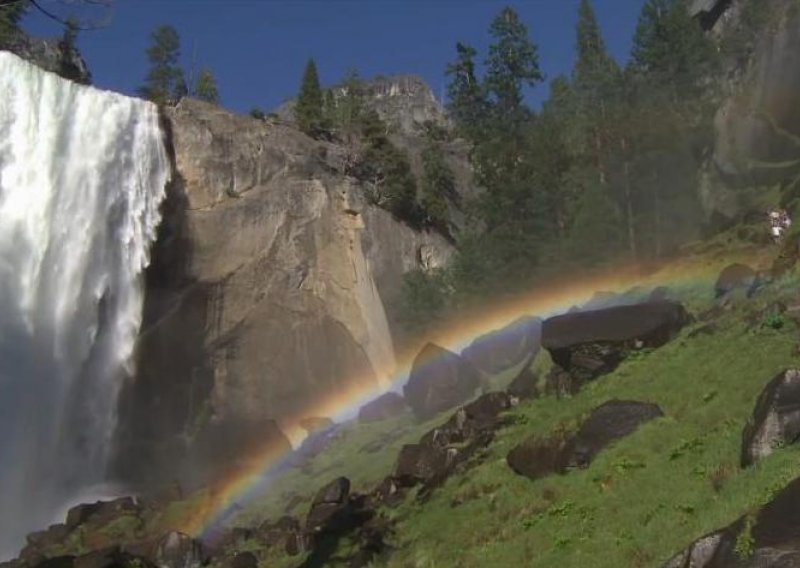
point(538, 457)
point(505, 348)
point(101, 511)
point(776, 418)
point(244, 560)
point(606, 424)
point(735, 276)
point(178, 550)
point(388, 405)
point(439, 380)
point(589, 344)
point(66, 561)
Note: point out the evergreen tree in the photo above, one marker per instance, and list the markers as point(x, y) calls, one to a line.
point(467, 102)
point(438, 184)
point(513, 62)
point(309, 108)
point(10, 17)
point(165, 82)
point(206, 87)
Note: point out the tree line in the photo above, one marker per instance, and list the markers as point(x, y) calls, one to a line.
point(605, 171)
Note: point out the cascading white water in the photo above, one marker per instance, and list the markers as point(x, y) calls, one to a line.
point(82, 175)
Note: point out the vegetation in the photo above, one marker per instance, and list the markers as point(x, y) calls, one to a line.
point(10, 16)
point(165, 82)
point(205, 88)
point(308, 109)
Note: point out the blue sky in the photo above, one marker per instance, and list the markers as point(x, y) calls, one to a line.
point(258, 48)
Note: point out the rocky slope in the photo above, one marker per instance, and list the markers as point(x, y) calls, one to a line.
point(267, 293)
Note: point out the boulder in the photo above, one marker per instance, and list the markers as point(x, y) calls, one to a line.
point(439, 380)
point(286, 532)
point(420, 463)
point(178, 550)
point(539, 457)
point(735, 277)
point(589, 344)
point(102, 511)
point(505, 348)
point(606, 424)
point(772, 538)
point(111, 557)
point(776, 418)
point(388, 405)
point(330, 509)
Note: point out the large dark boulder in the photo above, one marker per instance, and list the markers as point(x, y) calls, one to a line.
point(606, 424)
point(772, 540)
point(776, 418)
point(589, 344)
point(388, 405)
point(330, 508)
point(420, 463)
point(524, 385)
point(505, 348)
point(733, 277)
point(538, 457)
point(439, 380)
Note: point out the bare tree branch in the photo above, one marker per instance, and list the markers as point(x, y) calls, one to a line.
point(60, 19)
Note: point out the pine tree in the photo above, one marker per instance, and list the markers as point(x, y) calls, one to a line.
point(206, 87)
point(513, 62)
point(438, 184)
point(309, 108)
point(467, 102)
point(165, 82)
point(10, 17)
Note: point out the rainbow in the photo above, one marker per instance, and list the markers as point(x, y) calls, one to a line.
point(226, 497)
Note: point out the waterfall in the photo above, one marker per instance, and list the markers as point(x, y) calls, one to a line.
point(82, 174)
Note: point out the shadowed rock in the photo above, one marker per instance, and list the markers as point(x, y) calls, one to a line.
point(776, 418)
point(772, 537)
point(735, 276)
point(329, 505)
point(538, 457)
point(244, 560)
point(439, 380)
point(419, 463)
point(524, 385)
point(589, 344)
point(388, 405)
point(505, 348)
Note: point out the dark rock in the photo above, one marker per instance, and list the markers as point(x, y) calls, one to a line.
point(505, 348)
point(177, 550)
point(111, 557)
point(439, 380)
point(389, 492)
point(388, 405)
point(589, 344)
point(560, 383)
point(330, 508)
point(659, 294)
point(101, 511)
point(775, 420)
point(524, 385)
point(53, 535)
point(286, 532)
point(733, 277)
point(50, 55)
point(66, 561)
point(244, 560)
point(606, 424)
point(468, 422)
point(538, 457)
point(772, 533)
point(419, 463)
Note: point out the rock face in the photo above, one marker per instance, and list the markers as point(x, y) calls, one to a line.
point(505, 348)
point(771, 537)
point(776, 418)
point(264, 295)
point(177, 550)
point(758, 127)
point(387, 405)
point(538, 457)
point(589, 344)
point(439, 380)
point(50, 55)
